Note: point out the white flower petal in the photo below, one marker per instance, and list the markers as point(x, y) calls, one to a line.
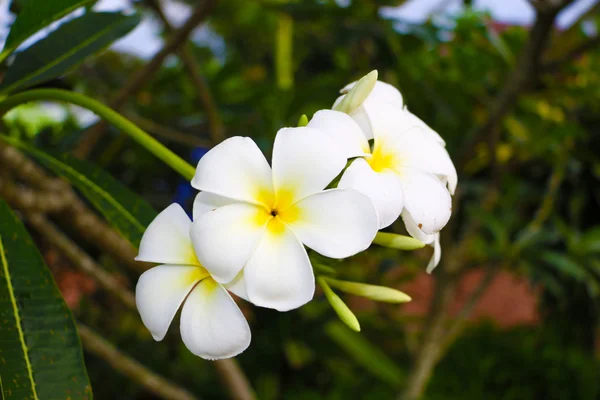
point(426, 199)
point(387, 120)
point(427, 131)
point(382, 92)
point(212, 326)
point(225, 238)
point(383, 188)
point(437, 254)
point(167, 239)
point(279, 274)
point(237, 169)
point(417, 150)
point(304, 162)
point(206, 201)
point(159, 293)
point(414, 231)
point(431, 240)
point(336, 223)
point(342, 130)
point(238, 286)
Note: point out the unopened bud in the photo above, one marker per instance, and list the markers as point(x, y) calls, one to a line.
point(341, 309)
point(373, 292)
point(399, 242)
point(358, 94)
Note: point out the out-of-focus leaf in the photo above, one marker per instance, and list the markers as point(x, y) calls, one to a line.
point(66, 47)
point(122, 208)
point(564, 264)
point(35, 15)
point(364, 353)
point(40, 352)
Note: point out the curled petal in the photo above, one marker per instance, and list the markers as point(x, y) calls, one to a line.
point(205, 202)
point(279, 274)
point(437, 254)
point(212, 326)
point(382, 92)
point(235, 168)
point(167, 239)
point(342, 130)
point(304, 162)
point(383, 188)
point(336, 223)
point(426, 199)
point(159, 293)
point(431, 240)
point(225, 238)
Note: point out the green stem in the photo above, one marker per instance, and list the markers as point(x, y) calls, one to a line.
point(108, 114)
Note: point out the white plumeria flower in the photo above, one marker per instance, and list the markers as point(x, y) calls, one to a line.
point(255, 217)
point(402, 169)
point(212, 326)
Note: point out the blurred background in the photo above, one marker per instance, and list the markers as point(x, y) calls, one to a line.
point(513, 87)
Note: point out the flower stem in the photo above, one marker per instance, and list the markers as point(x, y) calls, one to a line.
point(108, 114)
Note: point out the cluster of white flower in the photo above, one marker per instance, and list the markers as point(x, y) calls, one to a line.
point(252, 220)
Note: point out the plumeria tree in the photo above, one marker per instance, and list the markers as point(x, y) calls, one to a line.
point(272, 262)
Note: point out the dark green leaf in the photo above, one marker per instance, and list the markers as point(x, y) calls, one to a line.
point(40, 352)
point(122, 208)
point(66, 47)
point(35, 15)
point(369, 356)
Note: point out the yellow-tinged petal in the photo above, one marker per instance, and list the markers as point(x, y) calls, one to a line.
point(225, 238)
point(160, 291)
point(167, 239)
point(212, 326)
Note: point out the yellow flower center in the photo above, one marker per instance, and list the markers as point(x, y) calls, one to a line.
point(382, 158)
point(278, 210)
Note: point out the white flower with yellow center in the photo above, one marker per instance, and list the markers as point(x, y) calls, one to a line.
point(251, 221)
point(405, 144)
point(212, 326)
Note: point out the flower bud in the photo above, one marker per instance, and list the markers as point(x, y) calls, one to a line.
point(341, 309)
point(303, 121)
point(373, 292)
point(398, 242)
point(358, 94)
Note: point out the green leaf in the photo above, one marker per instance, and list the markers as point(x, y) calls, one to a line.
point(373, 292)
point(126, 211)
point(338, 305)
point(364, 353)
point(35, 15)
point(66, 47)
point(40, 352)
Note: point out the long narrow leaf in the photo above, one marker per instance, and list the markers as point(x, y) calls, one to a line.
point(126, 211)
point(40, 352)
point(369, 356)
point(35, 15)
point(66, 47)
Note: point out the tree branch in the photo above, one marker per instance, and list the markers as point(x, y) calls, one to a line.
point(234, 379)
point(93, 135)
point(81, 260)
point(125, 365)
point(31, 200)
point(217, 131)
point(169, 134)
point(520, 80)
point(576, 52)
